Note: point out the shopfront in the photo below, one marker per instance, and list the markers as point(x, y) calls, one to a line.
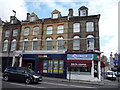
point(82, 67)
point(50, 65)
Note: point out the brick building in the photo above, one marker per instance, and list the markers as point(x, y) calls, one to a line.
point(10, 40)
point(61, 46)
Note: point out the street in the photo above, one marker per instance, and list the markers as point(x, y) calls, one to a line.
point(47, 84)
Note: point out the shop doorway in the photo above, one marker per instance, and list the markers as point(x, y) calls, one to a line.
point(29, 64)
point(96, 69)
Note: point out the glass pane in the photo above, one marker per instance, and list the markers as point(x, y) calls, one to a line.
point(55, 66)
point(34, 45)
point(90, 43)
point(45, 66)
point(61, 64)
point(49, 45)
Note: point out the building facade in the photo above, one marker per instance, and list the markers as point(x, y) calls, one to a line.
point(10, 40)
point(61, 46)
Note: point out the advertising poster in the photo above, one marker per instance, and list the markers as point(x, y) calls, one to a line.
point(50, 66)
point(45, 66)
point(55, 66)
point(61, 66)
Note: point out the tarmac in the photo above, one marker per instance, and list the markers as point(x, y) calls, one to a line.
point(102, 82)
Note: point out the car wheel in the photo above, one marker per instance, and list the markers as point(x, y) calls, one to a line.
point(6, 78)
point(27, 80)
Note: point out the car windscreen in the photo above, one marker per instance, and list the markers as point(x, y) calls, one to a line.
point(110, 73)
point(29, 70)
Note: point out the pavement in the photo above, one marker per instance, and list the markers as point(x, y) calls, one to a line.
point(102, 82)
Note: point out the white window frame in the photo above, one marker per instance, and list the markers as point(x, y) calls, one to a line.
point(26, 31)
point(55, 15)
point(90, 26)
point(5, 47)
point(91, 45)
point(48, 46)
point(26, 40)
point(75, 46)
point(35, 30)
point(59, 39)
point(13, 45)
point(60, 29)
point(49, 29)
point(83, 13)
point(15, 32)
point(76, 27)
point(34, 46)
point(7, 33)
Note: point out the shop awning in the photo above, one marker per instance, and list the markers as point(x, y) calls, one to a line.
point(79, 63)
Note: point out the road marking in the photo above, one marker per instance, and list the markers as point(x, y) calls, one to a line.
point(68, 85)
point(27, 85)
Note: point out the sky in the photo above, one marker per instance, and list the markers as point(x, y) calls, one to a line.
point(108, 9)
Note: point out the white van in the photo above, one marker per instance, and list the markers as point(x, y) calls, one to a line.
point(110, 75)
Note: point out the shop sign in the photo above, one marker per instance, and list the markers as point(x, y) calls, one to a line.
point(42, 56)
point(80, 57)
point(79, 64)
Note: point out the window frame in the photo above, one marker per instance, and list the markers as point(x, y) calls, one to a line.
point(49, 29)
point(76, 28)
point(35, 30)
point(74, 44)
point(5, 47)
point(60, 29)
point(90, 26)
point(13, 45)
point(26, 32)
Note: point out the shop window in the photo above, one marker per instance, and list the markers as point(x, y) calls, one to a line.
point(13, 45)
point(53, 66)
point(76, 27)
point(49, 30)
point(79, 70)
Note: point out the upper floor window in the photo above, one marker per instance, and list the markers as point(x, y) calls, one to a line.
point(49, 29)
point(7, 33)
point(5, 47)
point(76, 43)
point(55, 15)
point(35, 30)
point(83, 13)
point(76, 27)
point(33, 18)
point(49, 43)
point(26, 31)
point(25, 44)
point(15, 32)
point(60, 29)
point(89, 26)
point(35, 42)
point(13, 45)
point(60, 43)
point(90, 42)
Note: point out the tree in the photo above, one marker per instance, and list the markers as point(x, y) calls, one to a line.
point(104, 59)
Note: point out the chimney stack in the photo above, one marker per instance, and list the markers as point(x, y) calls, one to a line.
point(28, 16)
point(70, 12)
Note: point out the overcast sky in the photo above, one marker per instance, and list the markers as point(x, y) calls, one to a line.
point(108, 24)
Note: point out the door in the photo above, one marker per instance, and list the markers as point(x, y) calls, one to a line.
point(20, 74)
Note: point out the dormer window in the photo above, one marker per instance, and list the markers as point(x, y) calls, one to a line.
point(55, 15)
point(83, 13)
point(12, 21)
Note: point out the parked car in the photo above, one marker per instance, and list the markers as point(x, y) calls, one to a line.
point(110, 75)
point(21, 74)
point(117, 74)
